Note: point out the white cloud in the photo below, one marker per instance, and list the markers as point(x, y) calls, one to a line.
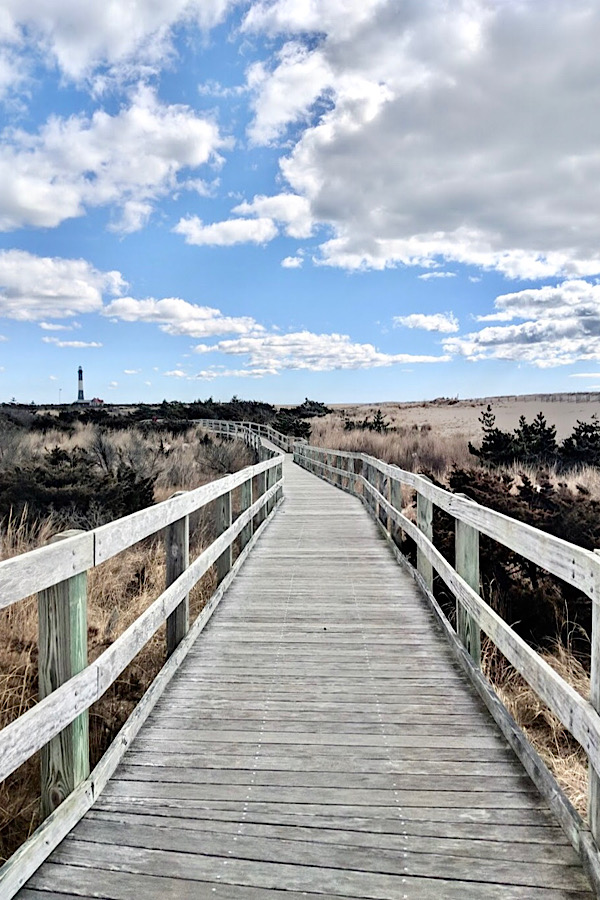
point(554, 326)
point(274, 353)
point(130, 39)
point(427, 276)
point(292, 262)
point(113, 384)
point(443, 322)
point(36, 287)
point(175, 373)
point(131, 371)
point(3, 337)
point(53, 326)
point(227, 233)
point(176, 316)
point(287, 93)
point(585, 375)
point(438, 141)
point(290, 209)
point(77, 345)
point(53, 377)
point(128, 160)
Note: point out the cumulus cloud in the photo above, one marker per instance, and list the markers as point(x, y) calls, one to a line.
point(76, 345)
point(129, 160)
point(289, 209)
point(226, 233)
point(36, 287)
point(130, 39)
point(175, 373)
point(131, 371)
point(443, 322)
point(286, 93)
point(274, 353)
point(549, 326)
point(176, 316)
point(438, 140)
point(292, 262)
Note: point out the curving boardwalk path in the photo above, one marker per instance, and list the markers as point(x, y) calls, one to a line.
point(318, 741)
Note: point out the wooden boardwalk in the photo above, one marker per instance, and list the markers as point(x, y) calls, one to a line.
point(319, 740)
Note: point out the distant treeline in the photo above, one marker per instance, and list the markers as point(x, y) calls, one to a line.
point(169, 416)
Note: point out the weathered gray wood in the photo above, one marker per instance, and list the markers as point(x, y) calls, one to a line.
point(425, 526)
point(223, 563)
point(467, 566)
point(32, 572)
point(37, 726)
point(576, 714)
point(62, 618)
point(246, 503)
point(27, 859)
point(177, 556)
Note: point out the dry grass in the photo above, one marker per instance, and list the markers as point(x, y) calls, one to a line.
point(119, 590)
point(559, 750)
point(415, 449)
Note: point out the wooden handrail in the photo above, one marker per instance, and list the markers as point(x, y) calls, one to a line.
point(68, 685)
point(575, 565)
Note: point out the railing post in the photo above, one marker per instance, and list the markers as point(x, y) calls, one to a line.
point(593, 775)
point(223, 563)
point(62, 624)
point(177, 554)
point(467, 565)
point(246, 502)
point(396, 502)
point(262, 487)
point(425, 524)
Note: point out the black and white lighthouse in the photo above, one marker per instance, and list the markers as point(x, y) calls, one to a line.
point(80, 397)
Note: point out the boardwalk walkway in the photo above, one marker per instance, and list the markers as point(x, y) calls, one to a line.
point(318, 741)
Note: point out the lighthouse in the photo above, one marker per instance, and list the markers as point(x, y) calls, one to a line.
point(80, 398)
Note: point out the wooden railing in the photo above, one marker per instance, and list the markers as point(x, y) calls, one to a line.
point(58, 725)
point(235, 429)
point(379, 486)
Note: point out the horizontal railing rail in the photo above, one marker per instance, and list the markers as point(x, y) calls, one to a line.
point(379, 486)
point(285, 442)
point(58, 724)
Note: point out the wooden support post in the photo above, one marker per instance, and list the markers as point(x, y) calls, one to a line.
point(262, 487)
point(467, 565)
point(270, 483)
point(396, 502)
point(593, 775)
point(425, 523)
point(177, 554)
point(62, 618)
point(246, 502)
point(223, 564)
point(279, 477)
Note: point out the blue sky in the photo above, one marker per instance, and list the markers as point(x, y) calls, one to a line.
point(384, 200)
